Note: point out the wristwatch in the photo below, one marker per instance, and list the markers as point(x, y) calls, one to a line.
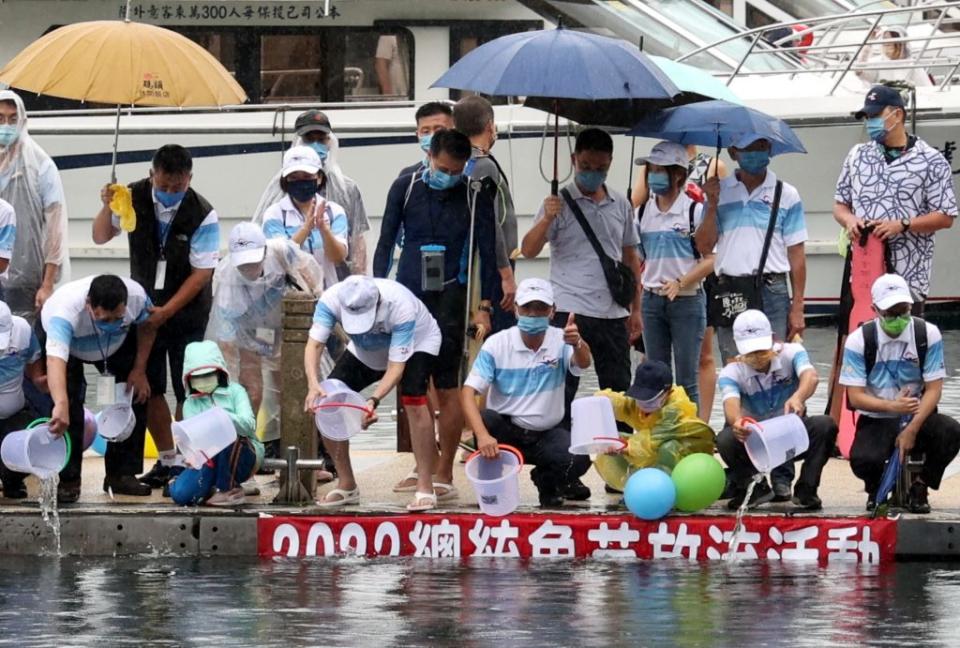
point(486, 308)
point(376, 401)
point(906, 224)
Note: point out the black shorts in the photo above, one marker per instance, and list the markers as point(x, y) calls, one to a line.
point(358, 376)
point(449, 309)
point(169, 345)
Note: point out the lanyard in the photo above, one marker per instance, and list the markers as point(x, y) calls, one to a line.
point(163, 236)
point(103, 351)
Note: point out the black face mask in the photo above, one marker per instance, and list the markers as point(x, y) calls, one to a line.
point(302, 190)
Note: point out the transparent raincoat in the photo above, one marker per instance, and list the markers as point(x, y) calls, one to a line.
point(29, 181)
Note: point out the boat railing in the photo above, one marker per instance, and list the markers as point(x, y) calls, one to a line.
point(831, 54)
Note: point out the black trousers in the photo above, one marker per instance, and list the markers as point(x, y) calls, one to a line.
point(939, 439)
point(822, 431)
point(548, 450)
point(610, 347)
point(13, 423)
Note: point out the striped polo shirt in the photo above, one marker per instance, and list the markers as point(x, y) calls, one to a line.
point(204, 242)
point(523, 384)
point(23, 349)
point(666, 242)
point(897, 364)
point(763, 395)
point(8, 229)
point(282, 220)
point(742, 221)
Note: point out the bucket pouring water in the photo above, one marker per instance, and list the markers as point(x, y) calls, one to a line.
point(115, 422)
point(36, 451)
point(339, 414)
point(593, 428)
point(200, 438)
point(776, 441)
point(496, 481)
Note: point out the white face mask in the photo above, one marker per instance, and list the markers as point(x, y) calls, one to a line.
point(205, 384)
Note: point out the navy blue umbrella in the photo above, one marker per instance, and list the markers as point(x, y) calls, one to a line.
point(891, 472)
point(573, 74)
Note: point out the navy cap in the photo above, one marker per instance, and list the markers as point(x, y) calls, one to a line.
point(651, 378)
point(878, 98)
point(312, 120)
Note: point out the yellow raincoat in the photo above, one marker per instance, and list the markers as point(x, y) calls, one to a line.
point(660, 438)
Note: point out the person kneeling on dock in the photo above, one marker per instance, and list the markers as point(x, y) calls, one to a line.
point(208, 385)
point(893, 370)
point(765, 381)
point(522, 370)
point(393, 340)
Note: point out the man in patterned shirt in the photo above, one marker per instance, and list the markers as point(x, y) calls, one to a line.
point(900, 184)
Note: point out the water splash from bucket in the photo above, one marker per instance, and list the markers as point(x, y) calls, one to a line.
point(48, 506)
point(734, 543)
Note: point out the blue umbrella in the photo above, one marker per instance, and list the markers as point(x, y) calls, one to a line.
point(718, 123)
point(695, 82)
point(892, 471)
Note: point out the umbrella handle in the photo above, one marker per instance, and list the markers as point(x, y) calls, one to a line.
point(555, 184)
point(116, 139)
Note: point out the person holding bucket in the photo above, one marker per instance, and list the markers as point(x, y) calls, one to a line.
point(766, 381)
point(207, 381)
point(893, 371)
point(393, 340)
point(522, 371)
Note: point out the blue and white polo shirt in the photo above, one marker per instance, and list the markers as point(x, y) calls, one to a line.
point(403, 326)
point(763, 395)
point(22, 350)
point(666, 242)
point(897, 365)
point(523, 384)
point(8, 229)
point(204, 242)
point(742, 221)
point(916, 183)
point(282, 220)
point(70, 326)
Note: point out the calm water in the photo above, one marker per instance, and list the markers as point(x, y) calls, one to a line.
point(481, 602)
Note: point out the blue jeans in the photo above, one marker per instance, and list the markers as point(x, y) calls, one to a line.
point(195, 486)
point(676, 325)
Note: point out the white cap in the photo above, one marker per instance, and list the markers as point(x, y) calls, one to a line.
point(6, 326)
point(889, 290)
point(534, 290)
point(301, 158)
point(247, 244)
point(752, 332)
point(358, 297)
point(667, 154)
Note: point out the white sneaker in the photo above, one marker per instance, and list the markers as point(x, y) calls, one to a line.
point(232, 497)
point(250, 487)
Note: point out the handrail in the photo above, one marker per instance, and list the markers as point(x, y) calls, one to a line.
point(856, 56)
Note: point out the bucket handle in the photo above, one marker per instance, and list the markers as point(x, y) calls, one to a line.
point(350, 405)
point(507, 448)
point(66, 437)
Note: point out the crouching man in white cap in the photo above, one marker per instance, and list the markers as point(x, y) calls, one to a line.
point(393, 340)
point(768, 380)
point(893, 370)
point(523, 370)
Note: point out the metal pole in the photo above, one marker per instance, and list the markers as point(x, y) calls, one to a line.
point(933, 32)
point(126, 13)
point(555, 184)
point(756, 39)
point(116, 138)
point(856, 55)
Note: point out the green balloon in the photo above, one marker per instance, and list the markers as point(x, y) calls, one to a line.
point(699, 479)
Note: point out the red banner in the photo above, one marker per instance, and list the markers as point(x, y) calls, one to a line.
point(825, 540)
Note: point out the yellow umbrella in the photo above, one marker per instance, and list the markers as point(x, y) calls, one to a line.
point(124, 63)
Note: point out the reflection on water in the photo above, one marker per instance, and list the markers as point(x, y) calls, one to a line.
point(479, 602)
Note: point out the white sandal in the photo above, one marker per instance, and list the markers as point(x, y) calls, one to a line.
point(407, 489)
point(347, 497)
point(445, 492)
point(416, 506)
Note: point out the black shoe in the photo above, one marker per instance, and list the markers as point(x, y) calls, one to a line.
point(762, 494)
point(871, 504)
point(807, 501)
point(917, 500)
point(157, 477)
point(271, 450)
point(68, 492)
point(126, 485)
point(607, 488)
point(576, 491)
point(14, 490)
point(551, 501)
point(782, 492)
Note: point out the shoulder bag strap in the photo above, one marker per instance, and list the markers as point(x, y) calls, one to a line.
point(693, 242)
point(604, 258)
point(774, 211)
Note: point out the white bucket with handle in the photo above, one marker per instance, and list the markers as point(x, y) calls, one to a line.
point(339, 414)
point(593, 428)
point(496, 481)
point(776, 441)
point(115, 422)
point(35, 451)
point(201, 437)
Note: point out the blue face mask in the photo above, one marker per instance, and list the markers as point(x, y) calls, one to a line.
point(168, 199)
point(8, 135)
point(302, 190)
point(659, 182)
point(590, 181)
point(110, 327)
point(439, 180)
point(322, 149)
point(753, 162)
point(425, 142)
point(877, 129)
point(533, 325)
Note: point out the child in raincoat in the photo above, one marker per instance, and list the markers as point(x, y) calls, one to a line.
point(665, 423)
point(208, 384)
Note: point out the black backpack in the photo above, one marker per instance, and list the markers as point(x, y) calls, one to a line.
point(693, 244)
point(870, 345)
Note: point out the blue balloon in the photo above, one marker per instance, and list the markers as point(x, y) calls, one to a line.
point(649, 494)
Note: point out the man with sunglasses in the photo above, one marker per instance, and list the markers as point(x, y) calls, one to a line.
point(893, 371)
point(765, 381)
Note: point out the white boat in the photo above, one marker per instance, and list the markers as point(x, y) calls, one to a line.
point(294, 55)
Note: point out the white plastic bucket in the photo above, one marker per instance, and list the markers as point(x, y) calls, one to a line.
point(115, 422)
point(339, 415)
point(593, 429)
point(776, 441)
point(496, 481)
point(201, 437)
point(35, 451)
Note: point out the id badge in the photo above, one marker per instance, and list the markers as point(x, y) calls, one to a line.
point(432, 267)
point(106, 390)
point(266, 335)
point(161, 275)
